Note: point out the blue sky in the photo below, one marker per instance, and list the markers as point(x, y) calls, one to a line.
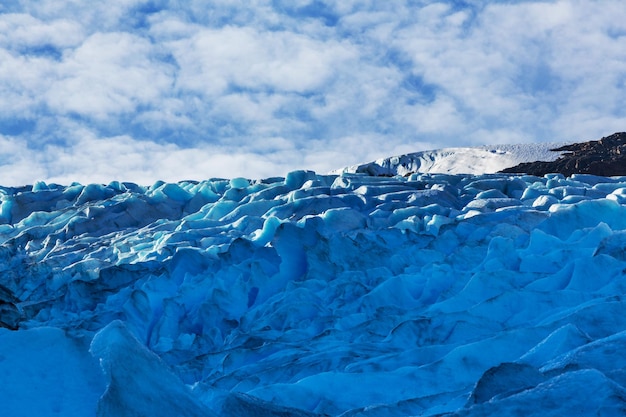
point(136, 90)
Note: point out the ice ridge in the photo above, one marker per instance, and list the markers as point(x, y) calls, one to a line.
point(310, 295)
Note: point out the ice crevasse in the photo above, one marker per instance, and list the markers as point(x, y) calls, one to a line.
point(337, 295)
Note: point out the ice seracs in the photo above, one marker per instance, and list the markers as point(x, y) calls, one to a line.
point(341, 295)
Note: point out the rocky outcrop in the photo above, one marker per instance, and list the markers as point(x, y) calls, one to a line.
point(605, 157)
point(9, 313)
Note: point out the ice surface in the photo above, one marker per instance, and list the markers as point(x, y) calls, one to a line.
point(347, 295)
point(47, 372)
point(138, 382)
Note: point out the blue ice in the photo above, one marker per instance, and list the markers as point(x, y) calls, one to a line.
point(310, 295)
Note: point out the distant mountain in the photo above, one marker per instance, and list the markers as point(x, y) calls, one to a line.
point(605, 157)
point(468, 160)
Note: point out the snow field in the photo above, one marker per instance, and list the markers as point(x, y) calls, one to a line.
point(345, 295)
point(478, 160)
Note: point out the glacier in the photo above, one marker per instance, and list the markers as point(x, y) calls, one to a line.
point(315, 295)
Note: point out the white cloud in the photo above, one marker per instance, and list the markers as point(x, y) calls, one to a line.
point(126, 159)
point(108, 74)
point(215, 59)
point(21, 78)
point(517, 61)
point(93, 16)
point(102, 160)
point(18, 164)
point(20, 30)
point(263, 87)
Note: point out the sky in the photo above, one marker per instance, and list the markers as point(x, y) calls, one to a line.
point(147, 90)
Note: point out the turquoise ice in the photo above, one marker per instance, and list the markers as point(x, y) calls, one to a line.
point(341, 295)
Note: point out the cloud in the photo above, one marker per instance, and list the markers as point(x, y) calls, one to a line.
point(122, 158)
point(107, 75)
point(519, 63)
point(27, 35)
point(144, 162)
point(257, 88)
point(17, 165)
point(216, 61)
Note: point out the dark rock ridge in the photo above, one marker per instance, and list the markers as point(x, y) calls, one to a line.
point(605, 157)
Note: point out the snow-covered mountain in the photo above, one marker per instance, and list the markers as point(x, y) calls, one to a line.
point(315, 295)
point(604, 157)
point(477, 160)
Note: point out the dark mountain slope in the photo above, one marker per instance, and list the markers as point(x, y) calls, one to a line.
point(605, 157)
